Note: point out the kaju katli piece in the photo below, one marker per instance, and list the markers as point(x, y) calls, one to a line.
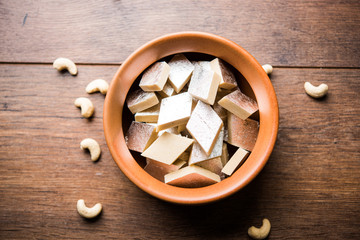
point(180, 71)
point(204, 84)
point(150, 115)
point(198, 155)
point(192, 176)
point(140, 100)
point(139, 136)
point(227, 77)
point(235, 161)
point(239, 104)
point(242, 133)
point(174, 111)
point(155, 77)
point(167, 148)
point(204, 126)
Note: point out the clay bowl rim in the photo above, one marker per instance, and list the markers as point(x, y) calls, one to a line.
point(198, 42)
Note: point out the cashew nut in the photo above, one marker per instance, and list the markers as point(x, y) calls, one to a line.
point(262, 232)
point(92, 146)
point(87, 108)
point(86, 212)
point(316, 92)
point(97, 85)
point(268, 68)
point(65, 63)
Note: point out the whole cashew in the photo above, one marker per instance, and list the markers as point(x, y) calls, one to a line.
point(86, 212)
point(92, 146)
point(316, 92)
point(87, 108)
point(268, 68)
point(97, 85)
point(262, 232)
point(65, 63)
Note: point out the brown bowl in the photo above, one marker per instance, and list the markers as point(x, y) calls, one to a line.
point(203, 43)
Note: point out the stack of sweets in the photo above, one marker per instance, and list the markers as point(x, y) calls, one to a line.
point(186, 113)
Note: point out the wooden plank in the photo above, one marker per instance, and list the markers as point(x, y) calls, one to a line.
point(316, 152)
point(309, 189)
point(282, 33)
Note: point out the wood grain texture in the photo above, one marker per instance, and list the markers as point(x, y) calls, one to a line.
point(310, 188)
point(282, 33)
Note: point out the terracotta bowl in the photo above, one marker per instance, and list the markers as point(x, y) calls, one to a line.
point(256, 84)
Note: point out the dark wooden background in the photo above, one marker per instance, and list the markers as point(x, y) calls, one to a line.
point(310, 187)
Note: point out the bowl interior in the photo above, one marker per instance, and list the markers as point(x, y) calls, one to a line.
point(128, 117)
point(200, 46)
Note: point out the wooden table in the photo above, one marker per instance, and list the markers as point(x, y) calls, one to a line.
point(310, 187)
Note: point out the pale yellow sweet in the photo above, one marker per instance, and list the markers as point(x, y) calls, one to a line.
point(192, 176)
point(204, 125)
point(167, 148)
point(158, 169)
point(139, 136)
point(139, 100)
point(235, 161)
point(198, 155)
point(239, 104)
point(154, 78)
point(242, 133)
point(167, 90)
point(227, 77)
point(204, 84)
point(174, 111)
point(149, 115)
point(180, 71)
